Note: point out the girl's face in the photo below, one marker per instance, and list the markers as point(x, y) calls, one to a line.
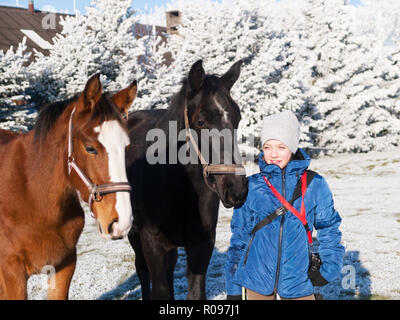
point(275, 152)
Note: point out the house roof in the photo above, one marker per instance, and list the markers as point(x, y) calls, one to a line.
point(15, 23)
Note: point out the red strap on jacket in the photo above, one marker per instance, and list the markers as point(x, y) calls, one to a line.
point(300, 215)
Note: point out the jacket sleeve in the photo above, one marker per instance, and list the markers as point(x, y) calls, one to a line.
point(241, 225)
point(327, 222)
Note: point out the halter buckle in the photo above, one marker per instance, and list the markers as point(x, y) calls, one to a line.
point(96, 195)
point(206, 173)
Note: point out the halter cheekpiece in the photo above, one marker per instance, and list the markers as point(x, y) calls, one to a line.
point(96, 192)
point(209, 169)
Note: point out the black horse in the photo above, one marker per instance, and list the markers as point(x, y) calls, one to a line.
point(175, 204)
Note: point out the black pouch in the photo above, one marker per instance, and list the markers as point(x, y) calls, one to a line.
point(313, 272)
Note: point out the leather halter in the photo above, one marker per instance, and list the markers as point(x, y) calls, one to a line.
point(96, 192)
point(209, 169)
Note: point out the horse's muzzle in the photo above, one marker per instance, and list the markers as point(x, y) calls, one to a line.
point(232, 190)
point(116, 231)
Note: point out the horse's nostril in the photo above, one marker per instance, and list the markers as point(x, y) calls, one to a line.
point(110, 226)
point(236, 199)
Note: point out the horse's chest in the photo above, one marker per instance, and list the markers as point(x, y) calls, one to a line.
point(71, 231)
point(53, 245)
point(186, 226)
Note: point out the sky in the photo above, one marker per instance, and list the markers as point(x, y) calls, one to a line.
point(62, 6)
point(355, 3)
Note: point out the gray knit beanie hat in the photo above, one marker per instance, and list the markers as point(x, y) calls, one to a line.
point(284, 127)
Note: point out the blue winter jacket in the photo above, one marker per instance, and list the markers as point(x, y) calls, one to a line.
point(277, 258)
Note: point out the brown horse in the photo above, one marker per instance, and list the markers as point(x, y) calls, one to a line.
point(44, 175)
point(6, 136)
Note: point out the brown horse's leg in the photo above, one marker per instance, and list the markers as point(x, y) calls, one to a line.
point(60, 281)
point(13, 280)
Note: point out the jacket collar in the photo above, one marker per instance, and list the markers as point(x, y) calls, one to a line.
point(297, 165)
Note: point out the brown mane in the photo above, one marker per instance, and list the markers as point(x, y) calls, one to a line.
point(48, 115)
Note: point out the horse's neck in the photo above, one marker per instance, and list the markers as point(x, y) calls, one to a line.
point(7, 136)
point(47, 162)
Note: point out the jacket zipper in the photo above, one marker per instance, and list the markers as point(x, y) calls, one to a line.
point(248, 249)
point(280, 234)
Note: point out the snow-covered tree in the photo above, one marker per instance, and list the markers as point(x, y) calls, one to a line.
point(314, 57)
point(221, 33)
point(103, 41)
point(305, 56)
point(379, 19)
point(348, 72)
point(13, 80)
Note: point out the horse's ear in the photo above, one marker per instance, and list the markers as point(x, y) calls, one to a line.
point(91, 95)
point(123, 99)
point(232, 75)
point(196, 77)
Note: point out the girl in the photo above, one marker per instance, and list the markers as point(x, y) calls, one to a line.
point(276, 259)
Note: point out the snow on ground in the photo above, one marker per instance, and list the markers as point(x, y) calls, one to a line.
point(365, 188)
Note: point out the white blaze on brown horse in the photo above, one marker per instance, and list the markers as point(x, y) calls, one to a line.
point(41, 218)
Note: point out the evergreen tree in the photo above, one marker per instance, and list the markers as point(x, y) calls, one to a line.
point(337, 67)
point(13, 80)
point(348, 72)
point(103, 41)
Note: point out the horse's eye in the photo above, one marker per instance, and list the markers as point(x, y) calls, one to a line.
point(200, 123)
point(90, 150)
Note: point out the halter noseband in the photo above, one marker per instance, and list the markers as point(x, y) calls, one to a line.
point(96, 192)
point(209, 169)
